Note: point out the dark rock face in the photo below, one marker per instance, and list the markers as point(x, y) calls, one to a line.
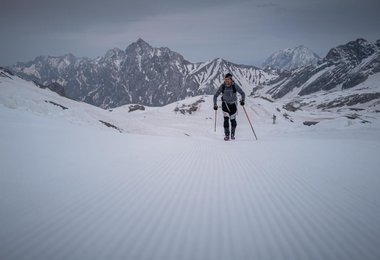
point(353, 52)
point(354, 79)
point(294, 80)
point(56, 104)
point(189, 108)
point(59, 89)
point(378, 43)
point(310, 123)
point(111, 126)
point(136, 107)
point(5, 73)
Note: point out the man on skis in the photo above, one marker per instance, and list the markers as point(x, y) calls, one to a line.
point(229, 104)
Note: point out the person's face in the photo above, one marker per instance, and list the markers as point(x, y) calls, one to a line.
point(228, 81)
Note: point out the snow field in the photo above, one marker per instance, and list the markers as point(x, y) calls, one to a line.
point(76, 192)
point(168, 187)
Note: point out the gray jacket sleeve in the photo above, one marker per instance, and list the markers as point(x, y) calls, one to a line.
point(218, 92)
point(241, 92)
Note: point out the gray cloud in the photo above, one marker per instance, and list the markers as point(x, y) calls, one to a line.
point(241, 31)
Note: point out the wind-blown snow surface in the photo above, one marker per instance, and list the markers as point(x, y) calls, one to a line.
point(71, 188)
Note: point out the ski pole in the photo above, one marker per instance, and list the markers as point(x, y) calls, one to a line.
point(249, 122)
point(215, 122)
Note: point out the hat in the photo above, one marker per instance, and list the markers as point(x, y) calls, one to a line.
point(228, 75)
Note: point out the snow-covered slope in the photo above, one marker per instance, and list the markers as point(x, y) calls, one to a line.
point(354, 106)
point(19, 94)
point(72, 188)
point(290, 59)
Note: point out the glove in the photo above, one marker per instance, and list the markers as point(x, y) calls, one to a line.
point(215, 107)
point(242, 102)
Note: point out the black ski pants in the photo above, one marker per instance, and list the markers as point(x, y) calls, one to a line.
point(229, 114)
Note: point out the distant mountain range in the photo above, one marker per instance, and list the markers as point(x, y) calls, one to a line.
point(344, 67)
point(140, 74)
point(158, 76)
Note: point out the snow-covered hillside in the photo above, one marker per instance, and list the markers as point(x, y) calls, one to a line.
point(164, 185)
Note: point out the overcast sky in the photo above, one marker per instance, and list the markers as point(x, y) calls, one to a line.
point(241, 31)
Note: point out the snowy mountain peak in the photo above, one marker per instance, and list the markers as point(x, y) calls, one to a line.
point(69, 56)
point(141, 42)
point(220, 60)
point(289, 59)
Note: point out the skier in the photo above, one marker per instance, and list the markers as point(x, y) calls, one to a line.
point(229, 100)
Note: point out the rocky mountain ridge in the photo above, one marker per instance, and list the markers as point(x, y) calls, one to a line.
point(344, 67)
point(142, 74)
